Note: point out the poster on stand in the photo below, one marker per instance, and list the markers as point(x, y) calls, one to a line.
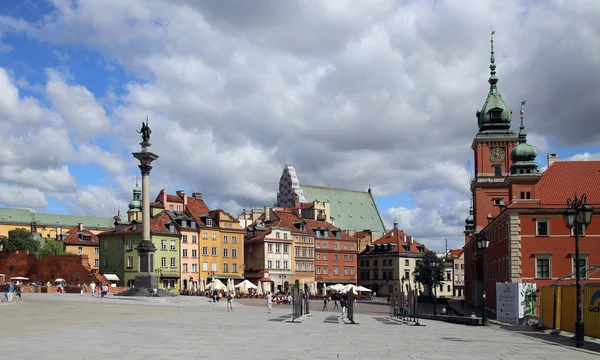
point(526, 299)
point(507, 303)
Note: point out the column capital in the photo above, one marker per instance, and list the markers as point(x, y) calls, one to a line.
point(145, 168)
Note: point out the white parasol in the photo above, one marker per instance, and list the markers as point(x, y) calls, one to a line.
point(244, 286)
point(216, 284)
point(259, 289)
point(59, 280)
point(362, 289)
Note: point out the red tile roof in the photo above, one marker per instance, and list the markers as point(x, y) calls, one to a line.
point(396, 236)
point(174, 198)
point(157, 225)
point(456, 253)
point(563, 179)
point(286, 218)
point(74, 237)
point(195, 208)
point(360, 234)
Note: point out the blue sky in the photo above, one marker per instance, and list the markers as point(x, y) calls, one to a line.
point(197, 70)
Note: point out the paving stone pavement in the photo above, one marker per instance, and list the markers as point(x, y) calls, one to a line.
point(50, 327)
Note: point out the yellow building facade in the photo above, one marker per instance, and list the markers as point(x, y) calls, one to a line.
point(81, 241)
point(221, 246)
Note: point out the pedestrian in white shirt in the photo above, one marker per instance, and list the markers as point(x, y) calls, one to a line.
point(269, 302)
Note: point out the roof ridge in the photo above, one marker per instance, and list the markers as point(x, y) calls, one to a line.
point(333, 188)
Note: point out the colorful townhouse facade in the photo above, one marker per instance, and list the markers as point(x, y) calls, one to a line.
point(318, 252)
point(388, 263)
point(118, 254)
point(81, 241)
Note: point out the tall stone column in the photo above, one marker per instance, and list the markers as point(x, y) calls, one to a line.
point(146, 278)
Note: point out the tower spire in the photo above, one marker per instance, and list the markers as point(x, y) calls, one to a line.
point(493, 79)
point(522, 132)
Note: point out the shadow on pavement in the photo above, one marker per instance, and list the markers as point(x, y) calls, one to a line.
point(559, 340)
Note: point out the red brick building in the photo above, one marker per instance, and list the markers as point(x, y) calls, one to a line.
point(520, 209)
point(75, 269)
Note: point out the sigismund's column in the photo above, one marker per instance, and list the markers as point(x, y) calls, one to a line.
point(146, 278)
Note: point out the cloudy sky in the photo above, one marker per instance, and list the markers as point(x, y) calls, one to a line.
point(351, 93)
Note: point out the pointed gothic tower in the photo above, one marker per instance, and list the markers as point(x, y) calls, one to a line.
point(135, 206)
point(491, 147)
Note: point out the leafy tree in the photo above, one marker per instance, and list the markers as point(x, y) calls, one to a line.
point(20, 239)
point(429, 271)
point(53, 247)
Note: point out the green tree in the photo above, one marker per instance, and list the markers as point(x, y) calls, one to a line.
point(20, 239)
point(53, 247)
point(429, 271)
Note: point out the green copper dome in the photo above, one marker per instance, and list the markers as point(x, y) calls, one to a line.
point(523, 155)
point(495, 116)
point(136, 203)
point(469, 220)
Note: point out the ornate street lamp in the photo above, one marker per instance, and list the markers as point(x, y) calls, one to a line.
point(483, 241)
point(578, 215)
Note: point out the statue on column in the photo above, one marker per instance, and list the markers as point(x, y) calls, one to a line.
point(145, 131)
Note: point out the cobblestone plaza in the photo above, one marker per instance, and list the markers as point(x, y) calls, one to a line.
point(47, 326)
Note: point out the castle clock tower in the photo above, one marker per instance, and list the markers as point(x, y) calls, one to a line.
point(492, 147)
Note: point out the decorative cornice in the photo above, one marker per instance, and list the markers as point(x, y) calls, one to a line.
point(145, 168)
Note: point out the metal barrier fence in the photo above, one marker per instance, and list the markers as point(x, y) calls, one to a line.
point(296, 302)
point(557, 306)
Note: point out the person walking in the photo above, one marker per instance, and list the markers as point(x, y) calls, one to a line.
point(343, 304)
point(18, 292)
point(335, 301)
point(324, 303)
point(93, 288)
point(229, 301)
point(269, 301)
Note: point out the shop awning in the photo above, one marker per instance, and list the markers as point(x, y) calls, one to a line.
point(111, 277)
point(169, 276)
point(225, 277)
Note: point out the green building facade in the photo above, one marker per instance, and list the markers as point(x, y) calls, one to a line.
point(119, 256)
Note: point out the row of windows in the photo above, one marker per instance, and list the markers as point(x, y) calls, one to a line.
point(385, 275)
point(384, 262)
point(184, 239)
point(543, 268)
point(185, 267)
point(336, 257)
point(234, 238)
point(278, 248)
point(80, 250)
point(543, 228)
point(325, 270)
point(336, 246)
point(184, 253)
point(214, 267)
point(163, 262)
point(215, 252)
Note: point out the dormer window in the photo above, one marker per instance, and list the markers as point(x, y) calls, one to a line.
point(496, 114)
point(134, 227)
point(209, 222)
point(302, 227)
point(183, 223)
point(193, 224)
point(172, 228)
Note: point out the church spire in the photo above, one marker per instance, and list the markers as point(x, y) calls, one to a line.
point(493, 79)
point(495, 116)
point(522, 132)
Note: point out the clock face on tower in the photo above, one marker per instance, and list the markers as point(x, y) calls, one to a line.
point(497, 155)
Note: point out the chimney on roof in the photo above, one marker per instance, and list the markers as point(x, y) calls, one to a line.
point(395, 224)
point(183, 196)
point(404, 237)
point(197, 195)
point(80, 226)
point(163, 196)
point(552, 158)
point(410, 239)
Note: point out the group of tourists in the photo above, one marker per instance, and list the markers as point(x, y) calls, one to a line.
point(12, 290)
point(100, 290)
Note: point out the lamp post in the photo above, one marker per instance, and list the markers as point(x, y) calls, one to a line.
point(577, 215)
point(402, 296)
point(482, 242)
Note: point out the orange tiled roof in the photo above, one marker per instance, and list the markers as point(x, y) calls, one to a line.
point(563, 179)
point(195, 208)
point(73, 237)
point(174, 198)
point(157, 225)
point(360, 234)
point(286, 218)
point(456, 253)
point(396, 236)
